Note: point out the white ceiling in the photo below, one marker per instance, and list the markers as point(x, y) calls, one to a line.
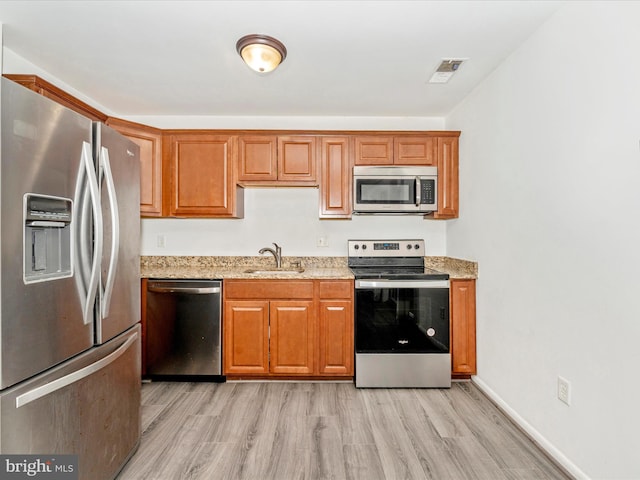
point(345, 58)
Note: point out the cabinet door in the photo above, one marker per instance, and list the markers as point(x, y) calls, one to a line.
point(292, 339)
point(414, 150)
point(373, 150)
point(150, 142)
point(335, 178)
point(202, 176)
point(246, 337)
point(447, 178)
point(336, 337)
point(297, 158)
point(258, 159)
point(463, 327)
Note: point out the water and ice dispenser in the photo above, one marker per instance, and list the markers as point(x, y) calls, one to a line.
point(47, 237)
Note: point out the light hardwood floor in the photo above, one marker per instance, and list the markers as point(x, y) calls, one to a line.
point(286, 431)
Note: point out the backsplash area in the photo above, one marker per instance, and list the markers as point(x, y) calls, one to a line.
point(289, 217)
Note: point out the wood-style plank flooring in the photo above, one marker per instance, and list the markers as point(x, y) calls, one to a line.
point(287, 431)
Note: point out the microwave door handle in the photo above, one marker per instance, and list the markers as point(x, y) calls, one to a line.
point(418, 191)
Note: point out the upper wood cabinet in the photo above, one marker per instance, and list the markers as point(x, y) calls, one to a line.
point(46, 89)
point(273, 160)
point(448, 189)
point(149, 140)
point(335, 178)
point(202, 175)
point(395, 150)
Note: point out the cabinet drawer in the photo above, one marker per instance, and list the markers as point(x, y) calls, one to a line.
point(336, 289)
point(271, 289)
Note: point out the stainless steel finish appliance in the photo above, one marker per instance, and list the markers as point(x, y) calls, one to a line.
point(183, 330)
point(406, 190)
point(69, 285)
point(401, 316)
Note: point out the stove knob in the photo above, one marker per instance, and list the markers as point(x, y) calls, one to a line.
point(364, 247)
point(409, 246)
point(356, 246)
point(417, 247)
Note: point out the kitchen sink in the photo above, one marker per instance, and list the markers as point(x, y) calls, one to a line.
point(271, 271)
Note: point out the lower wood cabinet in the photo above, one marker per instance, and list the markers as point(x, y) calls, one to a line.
point(288, 328)
point(463, 327)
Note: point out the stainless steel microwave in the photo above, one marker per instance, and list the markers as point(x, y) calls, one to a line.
point(395, 189)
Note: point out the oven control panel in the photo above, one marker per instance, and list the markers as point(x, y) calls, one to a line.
point(386, 248)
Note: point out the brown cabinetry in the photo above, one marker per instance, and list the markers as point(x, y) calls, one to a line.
point(202, 175)
point(149, 140)
point(447, 178)
point(272, 159)
point(335, 318)
point(463, 327)
point(395, 150)
point(335, 178)
point(288, 328)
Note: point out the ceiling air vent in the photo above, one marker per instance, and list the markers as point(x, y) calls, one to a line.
point(445, 70)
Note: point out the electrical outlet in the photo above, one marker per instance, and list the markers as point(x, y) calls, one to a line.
point(323, 242)
point(564, 390)
point(161, 241)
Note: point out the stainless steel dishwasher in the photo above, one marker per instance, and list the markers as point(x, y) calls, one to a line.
point(183, 330)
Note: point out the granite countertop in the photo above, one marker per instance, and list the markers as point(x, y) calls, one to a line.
point(211, 267)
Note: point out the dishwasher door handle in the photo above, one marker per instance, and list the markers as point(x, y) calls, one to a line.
point(175, 289)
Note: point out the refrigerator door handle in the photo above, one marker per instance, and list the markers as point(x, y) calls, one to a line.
point(105, 165)
point(94, 278)
point(50, 387)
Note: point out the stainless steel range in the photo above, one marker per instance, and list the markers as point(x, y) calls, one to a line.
point(401, 316)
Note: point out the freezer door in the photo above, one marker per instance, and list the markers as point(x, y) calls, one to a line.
point(42, 323)
point(119, 178)
point(88, 406)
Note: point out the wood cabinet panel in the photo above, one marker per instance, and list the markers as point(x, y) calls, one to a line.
point(246, 337)
point(463, 326)
point(415, 150)
point(336, 337)
point(258, 158)
point(297, 158)
point(203, 176)
point(373, 150)
point(150, 142)
point(268, 289)
point(291, 342)
point(335, 178)
point(448, 189)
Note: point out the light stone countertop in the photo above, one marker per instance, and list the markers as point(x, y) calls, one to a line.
point(227, 267)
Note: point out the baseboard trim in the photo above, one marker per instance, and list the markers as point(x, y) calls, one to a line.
point(566, 464)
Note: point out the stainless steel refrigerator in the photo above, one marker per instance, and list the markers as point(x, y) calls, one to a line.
point(69, 285)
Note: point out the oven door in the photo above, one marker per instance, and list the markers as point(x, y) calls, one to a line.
point(402, 316)
point(402, 334)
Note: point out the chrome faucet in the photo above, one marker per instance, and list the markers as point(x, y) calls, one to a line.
point(277, 254)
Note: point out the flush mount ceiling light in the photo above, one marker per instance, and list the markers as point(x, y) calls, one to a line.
point(261, 52)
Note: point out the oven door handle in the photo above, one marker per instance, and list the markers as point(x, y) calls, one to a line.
point(361, 284)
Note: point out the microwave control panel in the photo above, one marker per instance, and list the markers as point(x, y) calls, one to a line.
point(427, 191)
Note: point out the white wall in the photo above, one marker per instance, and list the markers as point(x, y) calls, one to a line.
point(550, 202)
point(289, 217)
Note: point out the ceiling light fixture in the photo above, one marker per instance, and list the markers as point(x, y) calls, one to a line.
point(261, 52)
